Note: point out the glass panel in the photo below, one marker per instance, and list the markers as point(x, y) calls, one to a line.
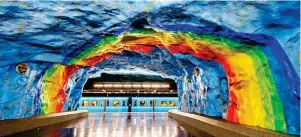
point(108, 102)
point(94, 103)
point(155, 104)
point(135, 103)
point(85, 103)
point(163, 103)
point(151, 103)
point(142, 103)
point(102, 103)
point(172, 103)
point(116, 103)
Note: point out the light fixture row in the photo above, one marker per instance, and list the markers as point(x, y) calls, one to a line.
point(154, 91)
point(131, 93)
point(132, 85)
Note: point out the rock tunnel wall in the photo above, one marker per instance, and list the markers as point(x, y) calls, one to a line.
point(245, 72)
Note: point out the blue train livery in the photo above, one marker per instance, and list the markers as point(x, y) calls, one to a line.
point(128, 104)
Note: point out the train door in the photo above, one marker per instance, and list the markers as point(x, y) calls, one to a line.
point(135, 107)
point(104, 104)
point(123, 108)
point(130, 104)
point(153, 104)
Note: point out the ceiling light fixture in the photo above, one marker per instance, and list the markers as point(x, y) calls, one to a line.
point(165, 86)
point(108, 85)
point(156, 86)
point(98, 85)
point(146, 85)
point(127, 85)
point(117, 85)
point(136, 85)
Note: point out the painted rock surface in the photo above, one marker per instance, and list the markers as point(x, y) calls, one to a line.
point(234, 60)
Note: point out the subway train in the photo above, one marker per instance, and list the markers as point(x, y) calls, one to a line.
point(128, 104)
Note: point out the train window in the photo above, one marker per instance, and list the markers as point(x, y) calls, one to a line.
point(85, 103)
point(102, 103)
point(153, 103)
point(123, 103)
point(172, 103)
point(135, 103)
point(163, 103)
point(142, 103)
point(116, 103)
point(94, 103)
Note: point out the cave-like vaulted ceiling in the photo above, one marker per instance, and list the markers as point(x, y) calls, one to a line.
point(235, 60)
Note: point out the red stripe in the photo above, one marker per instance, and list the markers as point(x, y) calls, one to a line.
point(68, 72)
point(203, 53)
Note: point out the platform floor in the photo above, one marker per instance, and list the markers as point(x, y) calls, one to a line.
point(118, 125)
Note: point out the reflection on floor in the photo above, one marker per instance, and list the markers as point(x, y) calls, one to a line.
point(118, 125)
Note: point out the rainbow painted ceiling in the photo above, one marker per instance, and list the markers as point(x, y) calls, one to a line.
point(247, 65)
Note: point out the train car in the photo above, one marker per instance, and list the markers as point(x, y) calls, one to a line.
point(128, 104)
point(104, 104)
point(154, 104)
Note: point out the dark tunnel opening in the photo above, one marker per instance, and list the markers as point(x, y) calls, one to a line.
point(130, 85)
point(129, 93)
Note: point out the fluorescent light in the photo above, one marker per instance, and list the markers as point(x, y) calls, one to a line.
point(155, 85)
point(108, 85)
point(127, 85)
point(165, 85)
point(98, 85)
point(117, 85)
point(136, 85)
point(145, 85)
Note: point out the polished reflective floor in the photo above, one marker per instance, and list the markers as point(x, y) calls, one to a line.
point(118, 125)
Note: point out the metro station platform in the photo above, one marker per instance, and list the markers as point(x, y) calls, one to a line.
point(123, 124)
point(117, 125)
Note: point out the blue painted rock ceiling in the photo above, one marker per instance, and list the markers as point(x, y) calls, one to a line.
point(247, 55)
